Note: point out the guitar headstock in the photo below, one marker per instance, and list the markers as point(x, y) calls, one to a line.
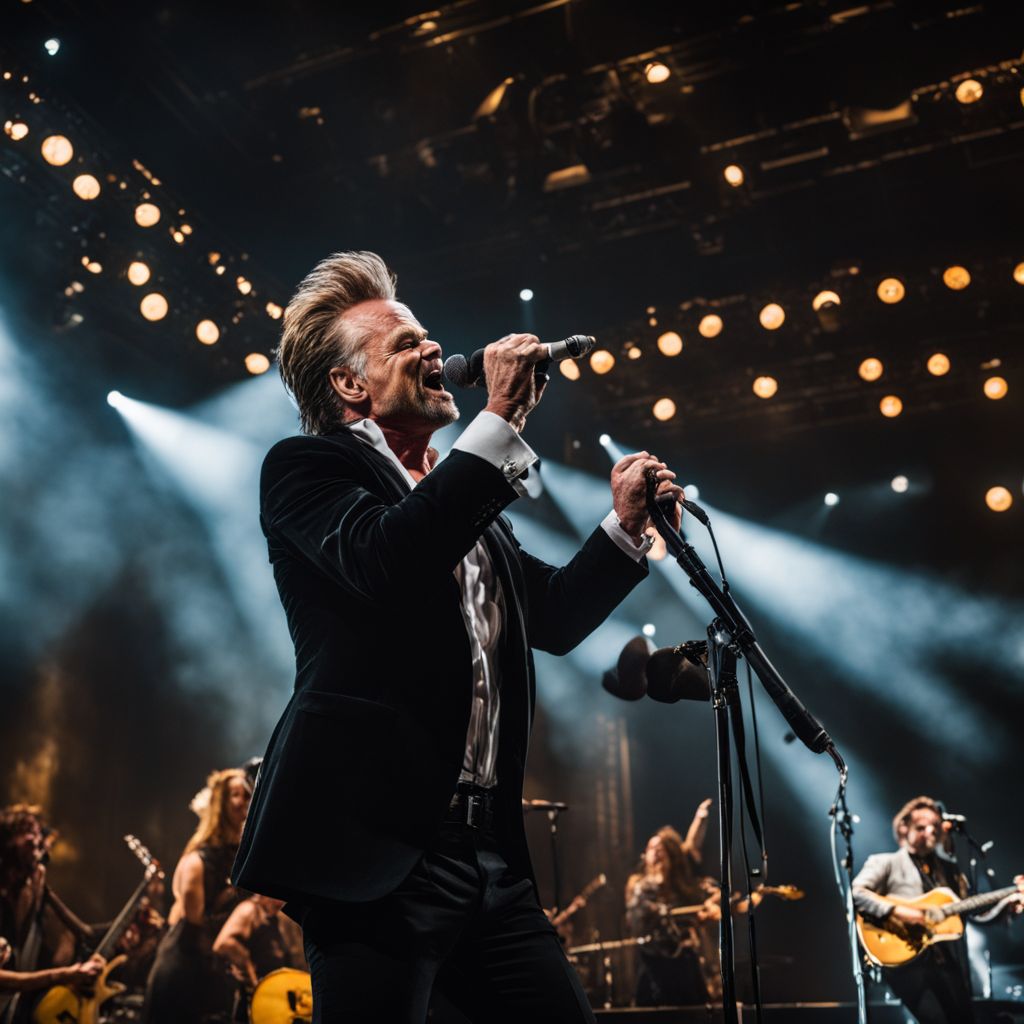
point(786, 892)
point(149, 862)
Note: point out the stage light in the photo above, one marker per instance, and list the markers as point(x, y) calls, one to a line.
point(569, 369)
point(52, 46)
point(604, 440)
point(900, 484)
point(213, 258)
point(633, 351)
point(93, 266)
point(670, 344)
point(85, 186)
point(710, 326)
point(207, 332)
point(526, 295)
point(891, 406)
point(825, 298)
point(765, 387)
point(138, 272)
point(57, 150)
point(733, 174)
point(970, 90)
point(772, 316)
point(831, 499)
point(870, 369)
point(692, 491)
point(602, 361)
point(649, 629)
point(186, 229)
point(999, 499)
point(114, 398)
point(17, 130)
point(995, 388)
point(274, 311)
point(891, 290)
point(938, 364)
point(257, 363)
point(664, 409)
point(956, 278)
point(655, 72)
point(178, 236)
point(147, 214)
point(1018, 271)
point(153, 306)
point(243, 285)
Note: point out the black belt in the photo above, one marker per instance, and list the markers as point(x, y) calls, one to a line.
point(471, 805)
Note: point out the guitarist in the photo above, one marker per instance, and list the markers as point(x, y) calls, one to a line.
point(935, 986)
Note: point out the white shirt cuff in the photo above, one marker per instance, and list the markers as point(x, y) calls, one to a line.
point(492, 439)
point(611, 525)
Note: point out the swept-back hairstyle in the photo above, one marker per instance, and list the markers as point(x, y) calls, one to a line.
point(901, 822)
point(315, 340)
point(211, 805)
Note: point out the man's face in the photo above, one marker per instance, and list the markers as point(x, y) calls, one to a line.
point(923, 831)
point(403, 369)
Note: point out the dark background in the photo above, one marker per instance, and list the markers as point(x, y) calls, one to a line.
point(142, 643)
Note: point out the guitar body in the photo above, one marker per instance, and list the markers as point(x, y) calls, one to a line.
point(282, 997)
point(61, 1005)
point(894, 942)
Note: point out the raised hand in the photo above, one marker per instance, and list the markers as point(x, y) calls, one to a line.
point(512, 387)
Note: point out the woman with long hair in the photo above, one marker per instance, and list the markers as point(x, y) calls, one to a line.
point(187, 982)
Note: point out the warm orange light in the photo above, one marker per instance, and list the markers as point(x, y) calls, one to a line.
point(870, 369)
point(956, 278)
point(85, 186)
point(656, 72)
point(138, 272)
point(17, 130)
point(274, 311)
point(733, 174)
point(257, 363)
point(891, 290)
point(1018, 273)
point(601, 361)
point(891, 406)
point(147, 214)
point(93, 266)
point(670, 344)
point(207, 332)
point(57, 150)
point(570, 369)
point(825, 298)
point(710, 326)
point(153, 306)
point(970, 90)
point(664, 409)
point(999, 499)
point(995, 388)
point(243, 285)
point(765, 387)
point(938, 364)
point(633, 351)
point(772, 316)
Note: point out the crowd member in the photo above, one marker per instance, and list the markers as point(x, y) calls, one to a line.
point(187, 981)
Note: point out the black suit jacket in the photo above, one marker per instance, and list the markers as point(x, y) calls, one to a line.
point(365, 758)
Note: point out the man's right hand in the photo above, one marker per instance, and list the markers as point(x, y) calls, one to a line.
point(512, 387)
point(908, 915)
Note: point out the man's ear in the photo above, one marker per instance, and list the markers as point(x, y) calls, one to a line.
point(348, 385)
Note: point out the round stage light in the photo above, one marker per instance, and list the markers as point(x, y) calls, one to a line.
point(655, 72)
point(970, 90)
point(765, 387)
point(772, 316)
point(733, 174)
point(93, 266)
point(274, 311)
point(257, 363)
point(633, 351)
point(891, 290)
point(57, 150)
point(999, 499)
point(670, 344)
point(243, 285)
point(938, 364)
point(710, 326)
point(831, 499)
point(52, 47)
point(899, 484)
point(604, 440)
point(649, 629)
point(207, 332)
point(870, 369)
point(138, 272)
point(153, 306)
point(1018, 271)
point(825, 298)
point(692, 491)
point(664, 409)
point(147, 214)
point(17, 130)
point(601, 361)
point(526, 295)
point(114, 398)
point(956, 278)
point(891, 406)
point(995, 388)
point(85, 186)
point(569, 369)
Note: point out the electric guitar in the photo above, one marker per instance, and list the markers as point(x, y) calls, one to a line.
point(892, 942)
point(785, 892)
point(284, 996)
point(580, 901)
point(62, 1005)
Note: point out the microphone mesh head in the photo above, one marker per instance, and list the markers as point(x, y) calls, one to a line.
point(456, 370)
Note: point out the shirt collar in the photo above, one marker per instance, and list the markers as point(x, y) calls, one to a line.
point(368, 431)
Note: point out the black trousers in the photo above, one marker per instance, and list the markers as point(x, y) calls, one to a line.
point(934, 987)
point(462, 934)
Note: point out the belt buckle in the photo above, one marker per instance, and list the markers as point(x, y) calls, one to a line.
point(474, 810)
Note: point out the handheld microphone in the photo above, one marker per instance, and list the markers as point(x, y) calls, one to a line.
point(469, 373)
point(955, 819)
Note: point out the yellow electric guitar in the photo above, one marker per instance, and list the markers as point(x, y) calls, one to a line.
point(62, 1005)
point(785, 892)
point(892, 942)
point(284, 996)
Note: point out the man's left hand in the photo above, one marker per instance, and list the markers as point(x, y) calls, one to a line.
point(629, 491)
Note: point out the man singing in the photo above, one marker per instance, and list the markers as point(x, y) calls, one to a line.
point(387, 811)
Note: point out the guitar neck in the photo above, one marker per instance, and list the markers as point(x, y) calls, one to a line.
point(121, 922)
point(986, 899)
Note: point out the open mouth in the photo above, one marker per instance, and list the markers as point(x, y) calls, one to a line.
point(434, 381)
